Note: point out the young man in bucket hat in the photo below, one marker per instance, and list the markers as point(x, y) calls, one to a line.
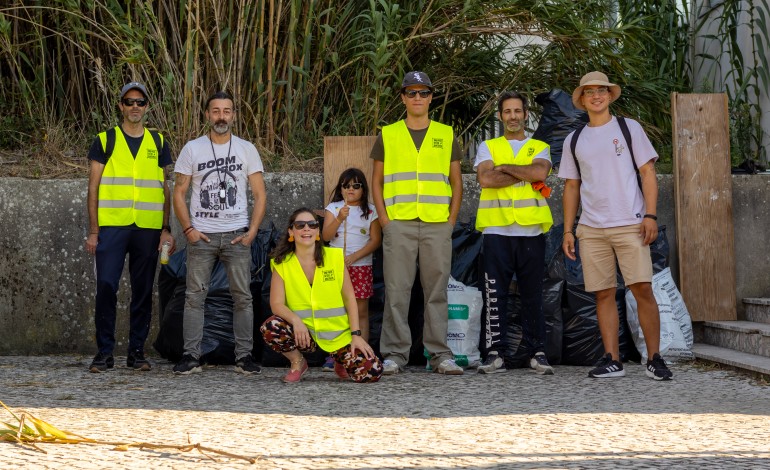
point(417, 189)
point(618, 220)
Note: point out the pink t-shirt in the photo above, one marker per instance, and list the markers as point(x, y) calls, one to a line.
point(609, 192)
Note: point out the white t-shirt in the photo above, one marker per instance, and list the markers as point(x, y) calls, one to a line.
point(514, 230)
point(358, 230)
point(219, 201)
point(609, 192)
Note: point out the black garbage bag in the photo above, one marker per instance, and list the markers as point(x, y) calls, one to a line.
point(218, 343)
point(466, 247)
point(559, 118)
point(582, 341)
point(515, 355)
point(659, 251)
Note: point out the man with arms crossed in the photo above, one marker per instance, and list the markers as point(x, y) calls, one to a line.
point(618, 219)
point(219, 165)
point(513, 218)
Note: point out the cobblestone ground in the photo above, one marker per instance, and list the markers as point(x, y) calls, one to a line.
point(416, 420)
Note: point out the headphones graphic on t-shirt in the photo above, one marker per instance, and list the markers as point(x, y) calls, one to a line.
point(226, 193)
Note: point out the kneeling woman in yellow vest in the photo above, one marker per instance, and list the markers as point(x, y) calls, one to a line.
point(314, 305)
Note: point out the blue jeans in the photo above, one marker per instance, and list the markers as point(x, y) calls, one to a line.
point(201, 257)
point(142, 248)
point(502, 257)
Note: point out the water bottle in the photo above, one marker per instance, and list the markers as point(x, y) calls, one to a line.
point(164, 252)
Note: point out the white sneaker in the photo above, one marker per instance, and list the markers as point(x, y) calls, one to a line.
point(449, 367)
point(539, 363)
point(494, 364)
point(390, 367)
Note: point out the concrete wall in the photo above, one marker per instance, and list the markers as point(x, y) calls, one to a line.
point(47, 280)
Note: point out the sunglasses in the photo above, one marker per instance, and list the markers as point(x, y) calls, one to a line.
point(352, 185)
point(141, 102)
point(300, 224)
point(422, 93)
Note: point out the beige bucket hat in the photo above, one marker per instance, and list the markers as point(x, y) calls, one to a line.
point(594, 78)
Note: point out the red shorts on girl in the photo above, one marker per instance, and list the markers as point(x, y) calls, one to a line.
point(362, 278)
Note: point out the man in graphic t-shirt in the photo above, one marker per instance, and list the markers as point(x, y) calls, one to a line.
point(220, 166)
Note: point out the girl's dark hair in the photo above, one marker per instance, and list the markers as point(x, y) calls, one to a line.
point(285, 249)
point(353, 175)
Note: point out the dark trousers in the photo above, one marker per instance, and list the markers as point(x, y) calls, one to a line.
point(504, 256)
point(142, 249)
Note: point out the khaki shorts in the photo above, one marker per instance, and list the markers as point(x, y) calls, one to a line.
point(599, 247)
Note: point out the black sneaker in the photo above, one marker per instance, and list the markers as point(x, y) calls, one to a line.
point(656, 368)
point(137, 361)
point(539, 363)
point(187, 365)
point(101, 363)
point(606, 367)
point(493, 364)
point(247, 366)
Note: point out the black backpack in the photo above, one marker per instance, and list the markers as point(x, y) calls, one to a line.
point(626, 135)
point(110, 144)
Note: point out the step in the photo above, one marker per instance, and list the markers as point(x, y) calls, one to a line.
point(757, 309)
point(745, 336)
point(733, 358)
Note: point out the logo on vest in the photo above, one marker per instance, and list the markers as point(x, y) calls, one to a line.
point(152, 154)
point(328, 275)
point(530, 152)
point(438, 143)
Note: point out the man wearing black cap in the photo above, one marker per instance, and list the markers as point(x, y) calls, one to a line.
point(417, 189)
point(128, 210)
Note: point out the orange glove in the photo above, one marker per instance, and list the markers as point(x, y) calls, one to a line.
point(540, 186)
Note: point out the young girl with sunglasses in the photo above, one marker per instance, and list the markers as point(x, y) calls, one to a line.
point(314, 305)
point(351, 223)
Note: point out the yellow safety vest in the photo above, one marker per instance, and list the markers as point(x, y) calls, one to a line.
point(131, 189)
point(519, 203)
point(320, 306)
point(416, 185)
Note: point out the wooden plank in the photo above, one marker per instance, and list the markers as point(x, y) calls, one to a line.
point(704, 205)
point(343, 152)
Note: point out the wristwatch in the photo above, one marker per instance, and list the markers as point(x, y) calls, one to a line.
point(356, 332)
point(166, 228)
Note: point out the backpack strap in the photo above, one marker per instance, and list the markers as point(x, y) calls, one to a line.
point(109, 146)
point(158, 140)
point(573, 146)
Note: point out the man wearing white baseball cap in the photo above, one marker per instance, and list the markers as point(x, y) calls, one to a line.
point(609, 167)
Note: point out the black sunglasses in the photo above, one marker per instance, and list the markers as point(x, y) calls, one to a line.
point(422, 93)
point(300, 224)
point(352, 185)
point(141, 102)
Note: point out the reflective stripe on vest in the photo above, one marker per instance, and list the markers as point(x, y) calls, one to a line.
point(320, 306)
point(131, 189)
point(416, 185)
point(517, 203)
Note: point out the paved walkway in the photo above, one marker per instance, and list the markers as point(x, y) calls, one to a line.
point(703, 419)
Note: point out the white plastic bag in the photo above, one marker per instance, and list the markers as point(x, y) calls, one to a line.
point(676, 338)
point(464, 323)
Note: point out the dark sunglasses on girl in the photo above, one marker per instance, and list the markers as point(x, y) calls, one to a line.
point(352, 185)
point(300, 224)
